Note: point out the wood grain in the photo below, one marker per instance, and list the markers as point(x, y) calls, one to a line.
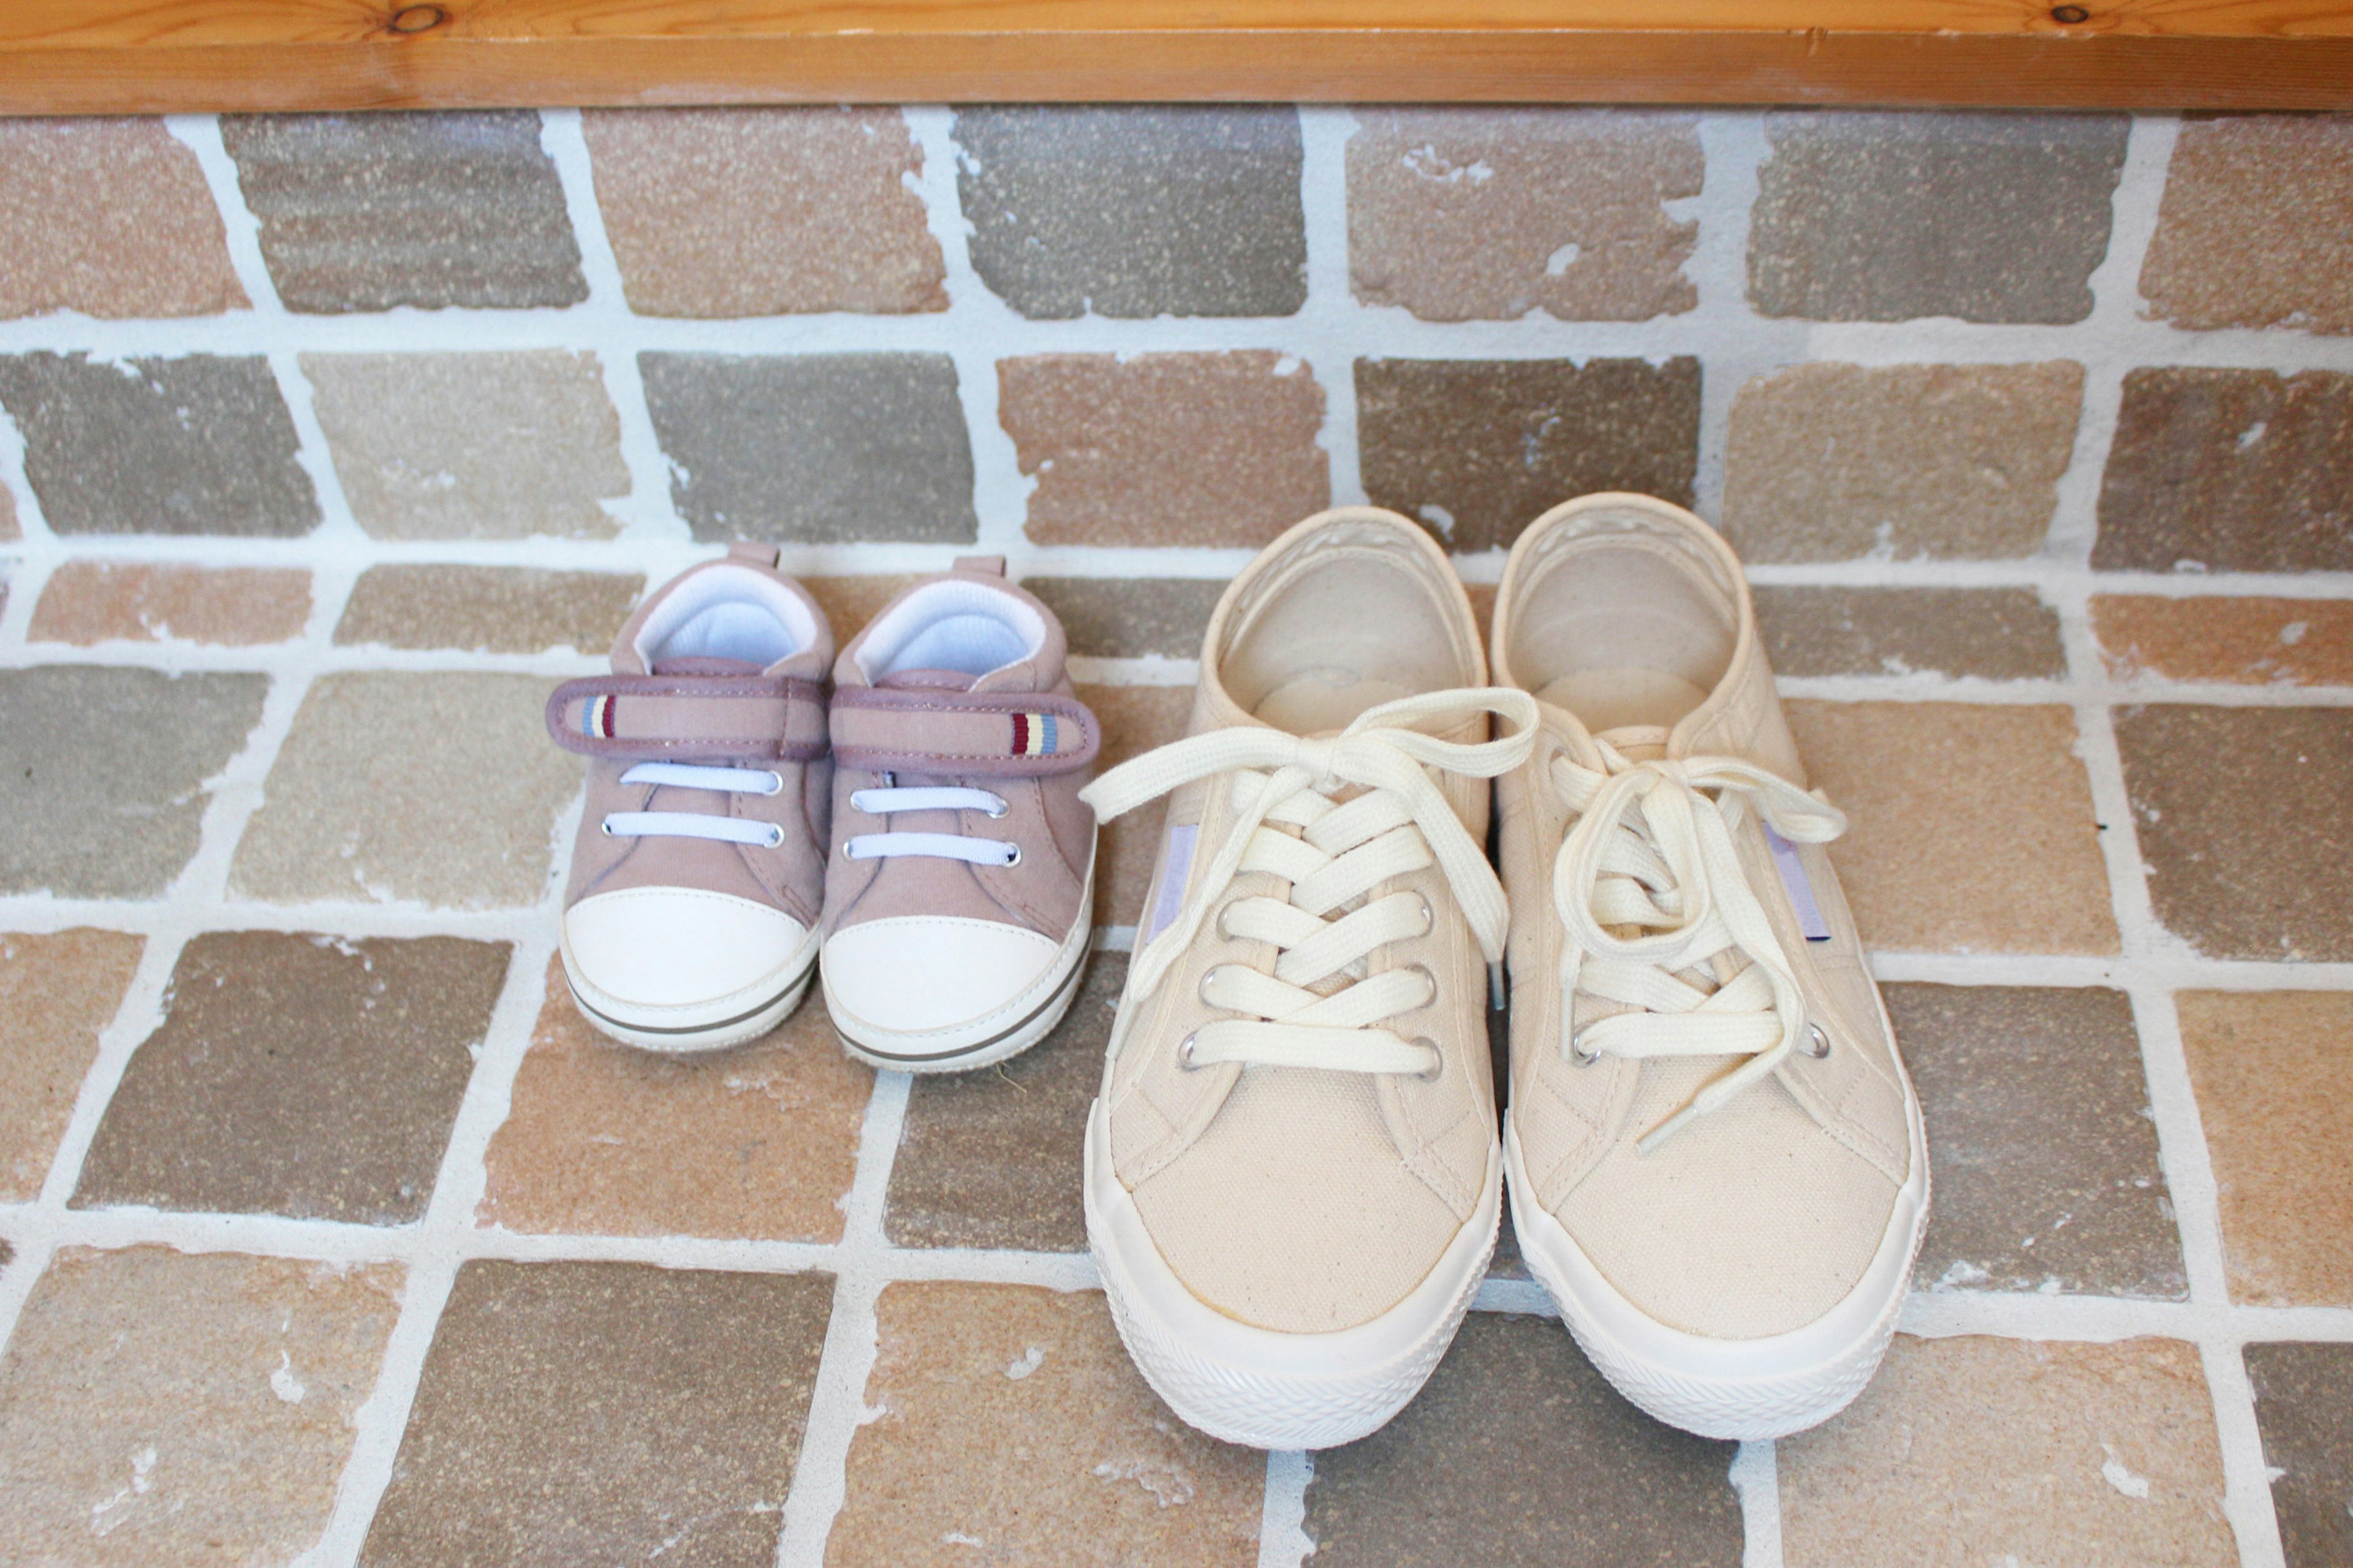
point(150, 55)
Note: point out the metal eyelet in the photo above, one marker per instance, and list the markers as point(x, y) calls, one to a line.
point(775, 836)
point(1014, 858)
point(1202, 990)
point(1817, 1045)
point(999, 814)
point(776, 782)
point(1185, 1053)
point(605, 828)
point(1423, 970)
point(1225, 933)
point(1577, 1054)
point(1437, 1068)
point(1428, 916)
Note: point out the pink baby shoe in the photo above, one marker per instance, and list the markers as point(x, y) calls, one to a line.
point(692, 922)
point(960, 889)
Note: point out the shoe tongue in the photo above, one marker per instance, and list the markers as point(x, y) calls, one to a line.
point(926, 680)
point(697, 666)
point(1638, 743)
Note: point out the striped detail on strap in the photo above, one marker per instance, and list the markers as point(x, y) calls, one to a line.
point(1033, 734)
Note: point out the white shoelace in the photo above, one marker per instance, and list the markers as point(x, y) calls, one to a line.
point(1652, 851)
point(693, 824)
point(1341, 852)
point(938, 845)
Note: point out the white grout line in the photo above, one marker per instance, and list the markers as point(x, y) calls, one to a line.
point(977, 331)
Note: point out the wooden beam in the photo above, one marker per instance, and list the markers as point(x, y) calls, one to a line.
point(80, 56)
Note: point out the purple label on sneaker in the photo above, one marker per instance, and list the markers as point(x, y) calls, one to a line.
point(1800, 886)
point(1168, 897)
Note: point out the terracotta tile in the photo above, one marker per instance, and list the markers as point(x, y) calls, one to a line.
point(1132, 617)
point(1010, 1427)
point(368, 212)
point(2273, 1074)
point(1832, 462)
point(1970, 828)
point(308, 1076)
point(341, 817)
point(487, 609)
point(2247, 641)
point(765, 212)
point(1462, 215)
point(1195, 449)
point(1136, 209)
point(2252, 859)
point(1992, 634)
point(2303, 1404)
point(1968, 1451)
point(91, 602)
point(2047, 1170)
point(814, 448)
point(2230, 470)
point(1865, 216)
point(851, 602)
point(157, 1407)
point(1474, 1470)
point(634, 1413)
point(992, 1159)
point(472, 446)
point(758, 1142)
point(1478, 448)
point(2256, 226)
point(108, 217)
point(1134, 720)
point(201, 444)
point(57, 993)
point(104, 774)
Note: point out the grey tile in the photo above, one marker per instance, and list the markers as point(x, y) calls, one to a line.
point(102, 774)
point(368, 212)
point(307, 1075)
point(1868, 216)
point(472, 446)
point(1995, 634)
point(197, 445)
point(2304, 1405)
point(576, 1413)
point(1129, 618)
point(2230, 470)
point(2046, 1163)
point(1135, 210)
point(814, 448)
point(2241, 820)
point(991, 1159)
point(1478, 448)
point(1517, 1455)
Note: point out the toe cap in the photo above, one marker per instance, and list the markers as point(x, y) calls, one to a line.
point(915, 974)
point(676, 947)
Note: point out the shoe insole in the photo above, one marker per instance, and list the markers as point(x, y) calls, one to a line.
point(1615, 699)
point(1324, 699)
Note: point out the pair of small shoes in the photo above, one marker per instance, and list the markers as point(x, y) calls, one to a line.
point(1713, 1153)
point(904, 817)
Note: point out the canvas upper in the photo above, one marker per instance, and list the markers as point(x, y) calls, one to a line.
point(1736, 1193)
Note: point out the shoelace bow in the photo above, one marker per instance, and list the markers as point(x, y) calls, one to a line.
point(1652, 851)
point(1401, 824)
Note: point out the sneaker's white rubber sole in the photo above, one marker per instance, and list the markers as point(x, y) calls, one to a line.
point(712, 1025)
point(1744, 1389)
point(993, 1037)
point(1256, 1386)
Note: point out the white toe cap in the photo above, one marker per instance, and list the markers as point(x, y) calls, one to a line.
point(912, 974)
point(676, 947)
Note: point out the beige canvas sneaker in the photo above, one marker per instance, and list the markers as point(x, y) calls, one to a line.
point(1714, 1154)
point(1292, 1170)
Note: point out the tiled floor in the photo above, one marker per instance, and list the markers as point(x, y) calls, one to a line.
point(326, 1227)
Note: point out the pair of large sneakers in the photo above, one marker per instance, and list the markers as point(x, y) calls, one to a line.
point(908, 813)
point(1714, 1156)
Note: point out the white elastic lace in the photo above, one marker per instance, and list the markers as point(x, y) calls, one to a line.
point(1652, 852)
point(1399, 823)
point(695, 824)
point(938, 845)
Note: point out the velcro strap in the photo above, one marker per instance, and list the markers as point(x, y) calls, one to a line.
point(995, 735)
point(689, 716)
